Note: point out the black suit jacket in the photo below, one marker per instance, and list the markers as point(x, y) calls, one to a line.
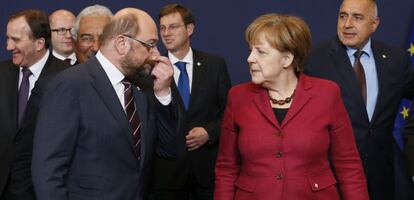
point(374, 139)
point(9, 80)
point(208, 97)
point(83, 145)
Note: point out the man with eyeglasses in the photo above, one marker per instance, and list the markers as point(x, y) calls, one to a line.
point(28, 39)
point(97, 133)
point(61, 23)
point(88, 27)
point(201, 83)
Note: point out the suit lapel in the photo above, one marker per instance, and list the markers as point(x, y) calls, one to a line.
point(302, 96)
point(12, 84)
point(261, 100)
point(381, 64)
point(106, 92)
point(199, 68)
point(346, 76)
point(143, 113)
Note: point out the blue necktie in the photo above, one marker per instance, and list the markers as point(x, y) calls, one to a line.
point(183, 83)
point(23, 93)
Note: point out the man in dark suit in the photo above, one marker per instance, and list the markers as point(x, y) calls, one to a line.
point(28, 38)
point(372, 93)
point(96, 134)
point(203, 98)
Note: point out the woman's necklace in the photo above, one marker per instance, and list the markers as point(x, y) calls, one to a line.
point(283, 101)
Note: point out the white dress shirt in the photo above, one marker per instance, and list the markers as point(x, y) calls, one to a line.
point(189, 67)
point(72, 57)
point(115, 77)
point(36, 70)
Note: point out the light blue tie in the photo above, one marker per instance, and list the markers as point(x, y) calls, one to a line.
point(183, 83)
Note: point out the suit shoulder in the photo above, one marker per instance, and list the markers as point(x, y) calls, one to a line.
point(323, 84)
point(208, 56)
point(390, 49)
point(6, 64)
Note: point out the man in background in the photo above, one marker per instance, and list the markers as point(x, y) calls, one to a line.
point(201, 83)
point(88, 27)
point(373, 78)
point(28, 39)
point(61, 23)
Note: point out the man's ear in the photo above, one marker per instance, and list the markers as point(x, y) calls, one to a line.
point(121, 45)
point(190, 29)
point(40, 44)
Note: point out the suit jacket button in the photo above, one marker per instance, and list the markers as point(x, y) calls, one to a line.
point(279, 176)
point(279, 154)
point(279, 133)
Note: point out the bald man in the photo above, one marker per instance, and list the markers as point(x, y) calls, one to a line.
point(61, 23)
point(109, 129)
point(373, 78)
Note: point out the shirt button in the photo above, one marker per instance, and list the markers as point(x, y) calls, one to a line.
point(316, 185)
point(279, 176)
point(279, 154)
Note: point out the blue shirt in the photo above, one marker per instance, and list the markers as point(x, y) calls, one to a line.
point(368, 63)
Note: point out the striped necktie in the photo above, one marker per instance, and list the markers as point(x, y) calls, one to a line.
point(132, 114)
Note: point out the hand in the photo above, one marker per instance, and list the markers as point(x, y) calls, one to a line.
point(196, 138)
point(163, 72)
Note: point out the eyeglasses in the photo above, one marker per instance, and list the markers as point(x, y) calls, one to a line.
point(172, 27)
point(61, 31)
point(149, 46)
point(87, 39)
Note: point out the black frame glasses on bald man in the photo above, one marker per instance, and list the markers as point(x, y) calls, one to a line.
point(146, 44)
point(61, 31)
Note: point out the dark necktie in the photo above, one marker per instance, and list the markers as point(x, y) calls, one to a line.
point(132, 114)
point(183, 83)
point(67, 60)
point(23, 93)
point(360, 74)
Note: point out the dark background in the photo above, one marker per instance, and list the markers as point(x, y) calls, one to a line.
point(220, 24)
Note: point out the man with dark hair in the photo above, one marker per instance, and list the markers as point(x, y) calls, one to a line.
point(201, 84)
point(97, 133)
point(373, 78)
point(28, 38)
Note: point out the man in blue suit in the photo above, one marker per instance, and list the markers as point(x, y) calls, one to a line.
point(372, 86)
point(96, 134)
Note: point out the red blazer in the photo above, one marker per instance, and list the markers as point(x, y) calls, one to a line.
point(311, 155)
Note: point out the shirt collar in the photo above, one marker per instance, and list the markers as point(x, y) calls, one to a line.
point(37, 68)
point(367, 50)
point(72, 57)
point(188, 58)
point(113, 73)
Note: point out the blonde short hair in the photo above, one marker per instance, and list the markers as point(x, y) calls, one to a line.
point(286, 33)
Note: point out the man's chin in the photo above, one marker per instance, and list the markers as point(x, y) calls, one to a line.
point(141, 78)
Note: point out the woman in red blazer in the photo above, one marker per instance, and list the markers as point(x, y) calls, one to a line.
point(286, 135)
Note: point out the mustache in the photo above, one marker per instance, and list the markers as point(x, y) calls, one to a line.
point(142, 75)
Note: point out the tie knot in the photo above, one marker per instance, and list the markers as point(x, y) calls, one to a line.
point(126, 82)
point(358, 54)
point(26, 72)
point(181, 65)
point(68, 61)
